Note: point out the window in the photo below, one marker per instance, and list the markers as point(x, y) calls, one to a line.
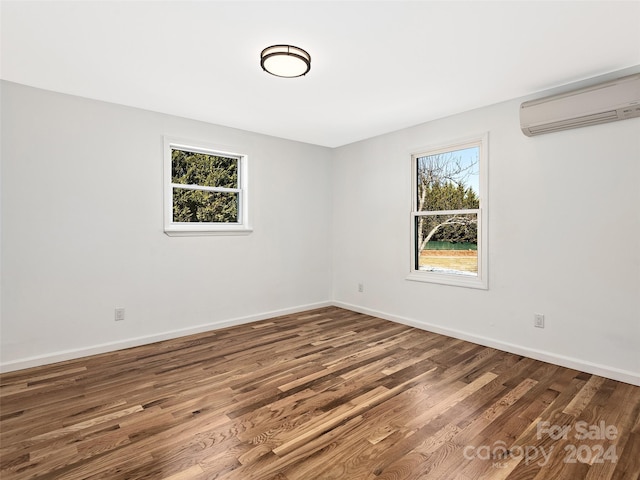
point(205, 190)
point(448, 219)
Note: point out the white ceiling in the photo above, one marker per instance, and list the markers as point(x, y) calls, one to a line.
point(376, 66)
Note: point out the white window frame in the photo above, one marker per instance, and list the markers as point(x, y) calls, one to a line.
point(171, 228)
point(481, 281)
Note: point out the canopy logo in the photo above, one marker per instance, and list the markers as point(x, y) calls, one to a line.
point(590, 453)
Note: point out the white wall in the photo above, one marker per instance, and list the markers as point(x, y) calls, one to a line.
point(564, 240)
point(82, 230)
point(82, 234)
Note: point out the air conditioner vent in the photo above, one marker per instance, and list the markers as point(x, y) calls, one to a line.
point(607, 102)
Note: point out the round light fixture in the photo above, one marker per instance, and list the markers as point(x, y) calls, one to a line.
point(285, 61)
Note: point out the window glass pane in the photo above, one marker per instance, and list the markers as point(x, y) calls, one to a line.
point(204, 206)
point(190, 168)
point(447, 243)
point(448, 181)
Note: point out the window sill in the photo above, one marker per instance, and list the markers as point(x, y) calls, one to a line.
point(206, 230)
point(452, 280)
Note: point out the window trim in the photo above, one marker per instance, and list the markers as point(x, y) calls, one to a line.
point(481, 281)
point(171, 228)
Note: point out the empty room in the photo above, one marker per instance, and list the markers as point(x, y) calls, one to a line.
point(361, 240)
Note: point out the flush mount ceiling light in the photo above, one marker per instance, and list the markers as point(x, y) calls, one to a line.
point(285, 61)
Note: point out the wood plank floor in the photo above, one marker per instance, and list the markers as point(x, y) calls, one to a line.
point(325, 394)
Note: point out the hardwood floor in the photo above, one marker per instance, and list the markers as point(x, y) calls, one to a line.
point(326, 394)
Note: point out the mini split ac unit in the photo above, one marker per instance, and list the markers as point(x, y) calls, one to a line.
point(607, 102)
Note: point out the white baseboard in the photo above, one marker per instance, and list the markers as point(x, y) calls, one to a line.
point(64, 355)
point(549, 357)
point(564, 361)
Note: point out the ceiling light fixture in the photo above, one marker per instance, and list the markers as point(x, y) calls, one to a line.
point(285, 61)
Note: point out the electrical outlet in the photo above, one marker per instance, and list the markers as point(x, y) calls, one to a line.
point(361, 287)
point(119, 314)
point(538, 320)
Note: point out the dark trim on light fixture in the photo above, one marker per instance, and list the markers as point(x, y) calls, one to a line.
point(285, 61)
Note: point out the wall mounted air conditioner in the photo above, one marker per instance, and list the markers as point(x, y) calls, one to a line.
point(607, 102)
